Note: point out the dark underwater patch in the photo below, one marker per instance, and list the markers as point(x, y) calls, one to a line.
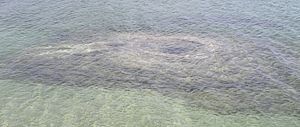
point(226, 77)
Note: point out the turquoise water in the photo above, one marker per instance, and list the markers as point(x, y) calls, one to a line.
point(150, 63)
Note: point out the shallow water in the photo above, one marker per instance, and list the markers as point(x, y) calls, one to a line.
point(149, 63)
point(42, 105)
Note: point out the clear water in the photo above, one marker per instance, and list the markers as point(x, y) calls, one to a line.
point(150, 63)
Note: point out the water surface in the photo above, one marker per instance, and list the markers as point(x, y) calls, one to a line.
point(150, 63)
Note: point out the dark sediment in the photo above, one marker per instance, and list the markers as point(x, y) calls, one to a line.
point(227, 77)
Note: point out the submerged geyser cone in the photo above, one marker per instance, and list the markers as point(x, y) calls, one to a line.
point(221, 76)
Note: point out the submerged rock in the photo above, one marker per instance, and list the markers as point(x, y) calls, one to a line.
point(222, 75)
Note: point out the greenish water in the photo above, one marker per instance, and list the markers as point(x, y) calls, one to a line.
point(39, 105)
point(150, 63)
